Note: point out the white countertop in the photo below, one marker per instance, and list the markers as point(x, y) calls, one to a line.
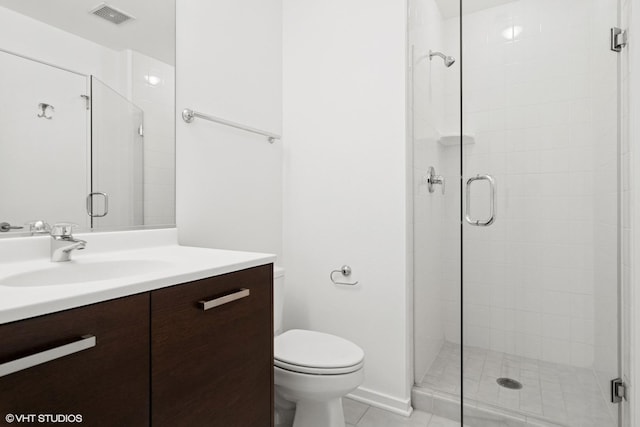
point(175, 264)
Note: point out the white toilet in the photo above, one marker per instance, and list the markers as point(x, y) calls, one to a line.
point(312, 370)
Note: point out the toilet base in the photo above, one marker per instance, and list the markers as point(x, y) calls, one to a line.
point(311, 413)
point(284, 410)
point(318, 398)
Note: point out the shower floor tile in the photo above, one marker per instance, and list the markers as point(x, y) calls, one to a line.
point(559, 393)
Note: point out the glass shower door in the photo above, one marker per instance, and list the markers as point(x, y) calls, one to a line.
point(117, 154)
point(540, 228)
point(434, 135)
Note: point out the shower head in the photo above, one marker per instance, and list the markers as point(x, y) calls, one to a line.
point(448, 60)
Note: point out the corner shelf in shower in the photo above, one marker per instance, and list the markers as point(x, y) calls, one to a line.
point(450, 140)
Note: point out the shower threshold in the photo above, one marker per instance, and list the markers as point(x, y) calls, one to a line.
point(552, 394)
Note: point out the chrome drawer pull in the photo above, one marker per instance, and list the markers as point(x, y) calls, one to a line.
point(216, 302)
point(86, 341)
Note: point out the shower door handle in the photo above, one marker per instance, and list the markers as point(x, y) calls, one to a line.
point(90, 204)
point(492, 204)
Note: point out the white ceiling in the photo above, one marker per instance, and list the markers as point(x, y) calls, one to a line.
point(451, 8)
point(151, 33)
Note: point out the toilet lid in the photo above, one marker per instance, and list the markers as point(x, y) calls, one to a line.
point(299, 350)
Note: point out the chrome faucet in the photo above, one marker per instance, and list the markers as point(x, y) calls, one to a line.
point(63, 242)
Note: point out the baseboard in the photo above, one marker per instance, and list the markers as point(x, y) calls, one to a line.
point(382, 401)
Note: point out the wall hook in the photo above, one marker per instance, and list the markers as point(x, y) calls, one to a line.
point(345, 270)
point(46, 111)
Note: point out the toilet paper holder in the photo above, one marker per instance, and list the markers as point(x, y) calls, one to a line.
point(345, 270)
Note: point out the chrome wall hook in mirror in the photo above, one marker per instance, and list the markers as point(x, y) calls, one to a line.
point(345, 270)
point(5, 226)
point(46, 111)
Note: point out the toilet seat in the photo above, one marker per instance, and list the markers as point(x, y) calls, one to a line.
point(317, 371)
point(317, 353)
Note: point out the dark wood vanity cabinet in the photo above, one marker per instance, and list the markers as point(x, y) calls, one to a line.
point(106, 384)
point(159, 358)
point(214, 366)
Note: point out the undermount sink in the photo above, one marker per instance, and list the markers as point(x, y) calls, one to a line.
point(68, 273)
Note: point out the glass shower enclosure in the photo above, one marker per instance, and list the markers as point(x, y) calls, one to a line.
point(117, 159)
point(515, 128)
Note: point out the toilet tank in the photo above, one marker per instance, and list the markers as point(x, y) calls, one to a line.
point(278, 299)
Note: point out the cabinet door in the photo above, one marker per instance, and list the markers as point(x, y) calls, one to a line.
point(106, 384)
point(213, 367)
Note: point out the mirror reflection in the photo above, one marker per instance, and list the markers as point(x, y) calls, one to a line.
point(87, 123)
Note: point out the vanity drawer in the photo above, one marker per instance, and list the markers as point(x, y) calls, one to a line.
point(212, 351)
point(106, 384)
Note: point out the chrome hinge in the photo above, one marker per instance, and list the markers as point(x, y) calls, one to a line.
point(618, 39)
point(141, 130)
point(618, 390)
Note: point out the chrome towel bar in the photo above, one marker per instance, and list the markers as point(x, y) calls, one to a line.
point(189, 115)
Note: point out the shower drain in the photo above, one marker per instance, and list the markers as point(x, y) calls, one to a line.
point(509, 383)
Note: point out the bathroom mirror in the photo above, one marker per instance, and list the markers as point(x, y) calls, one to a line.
point(87, 119)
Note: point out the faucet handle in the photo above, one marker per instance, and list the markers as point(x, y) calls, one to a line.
point(38, 227)
point(63, 229)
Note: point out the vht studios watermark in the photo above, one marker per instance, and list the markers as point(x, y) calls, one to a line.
point(43, 418)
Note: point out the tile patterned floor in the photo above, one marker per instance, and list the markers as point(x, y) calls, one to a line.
point(358, 414)
point(559, 393)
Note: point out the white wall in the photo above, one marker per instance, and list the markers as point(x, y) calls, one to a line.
point(346, 168)
point(229, 182)
point(346, 182)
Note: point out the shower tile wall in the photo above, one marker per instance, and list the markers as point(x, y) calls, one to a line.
point(157, 101)
point(534, 281)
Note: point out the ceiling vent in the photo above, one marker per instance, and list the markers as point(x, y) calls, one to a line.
point(111, 14)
